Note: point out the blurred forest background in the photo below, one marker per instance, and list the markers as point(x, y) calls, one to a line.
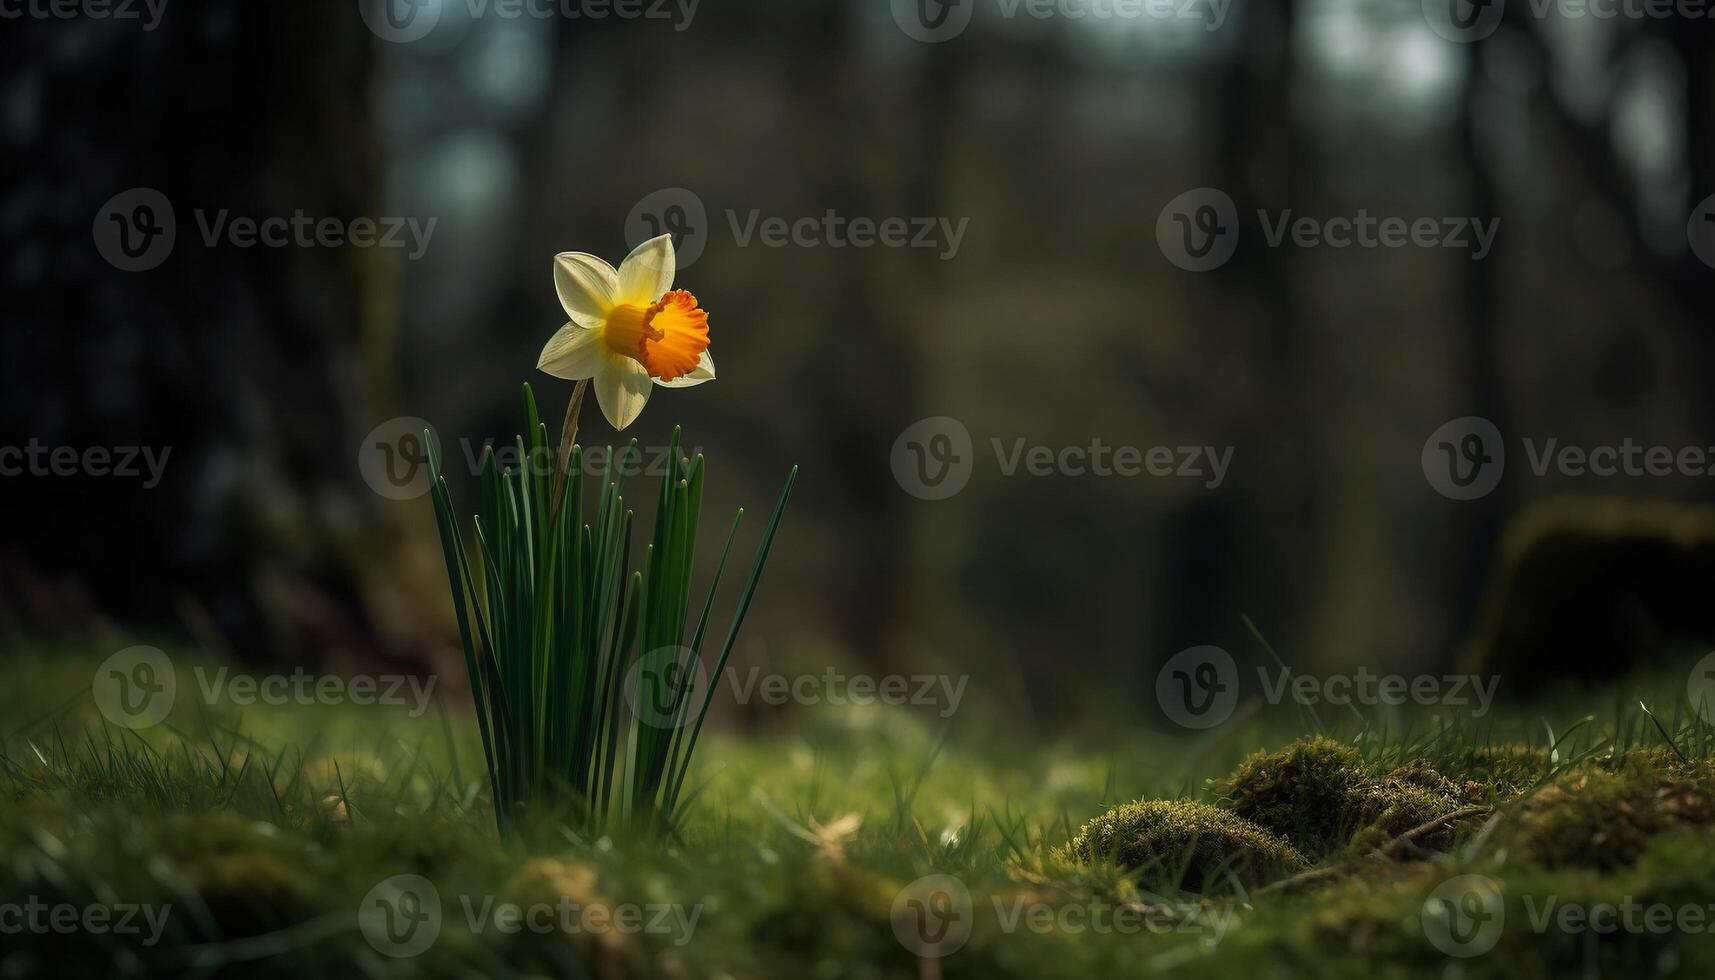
point(1058, 320)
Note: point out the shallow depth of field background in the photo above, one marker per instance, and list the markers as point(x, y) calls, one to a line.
point(1058, 320)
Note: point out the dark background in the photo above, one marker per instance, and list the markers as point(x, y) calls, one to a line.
point(1058, 320)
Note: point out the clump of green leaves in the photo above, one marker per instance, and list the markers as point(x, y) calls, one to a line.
point(1185, 842)
point(559, 623)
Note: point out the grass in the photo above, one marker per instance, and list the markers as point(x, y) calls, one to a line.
point(267, 829)
point(560, 635)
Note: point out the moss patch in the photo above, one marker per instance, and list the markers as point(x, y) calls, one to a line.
point(1596, 818)
point(1159, 837)
point(1303, 793)
point(1405, 799)
point(1319, 794)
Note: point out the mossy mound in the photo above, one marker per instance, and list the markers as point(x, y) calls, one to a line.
point(1161, 837)
point(1303, 793)
point(1601, 819)
point(1319, 794)
point(1407, 798)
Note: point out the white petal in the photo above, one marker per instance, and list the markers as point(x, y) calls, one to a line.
point(622, 389)
point(587, 286)
point(574, 352)
point(648, 271)
point(704, 371)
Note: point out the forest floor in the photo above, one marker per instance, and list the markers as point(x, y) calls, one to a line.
point(1570, 839)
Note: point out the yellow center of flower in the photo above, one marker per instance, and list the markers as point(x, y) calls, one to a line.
point(667, 337)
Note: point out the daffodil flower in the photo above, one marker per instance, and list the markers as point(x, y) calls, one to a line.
point(629, 329)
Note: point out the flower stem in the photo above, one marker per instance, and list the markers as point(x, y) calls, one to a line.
point(568, 436)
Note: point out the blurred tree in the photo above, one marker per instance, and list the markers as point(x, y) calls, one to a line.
point(243, 361)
